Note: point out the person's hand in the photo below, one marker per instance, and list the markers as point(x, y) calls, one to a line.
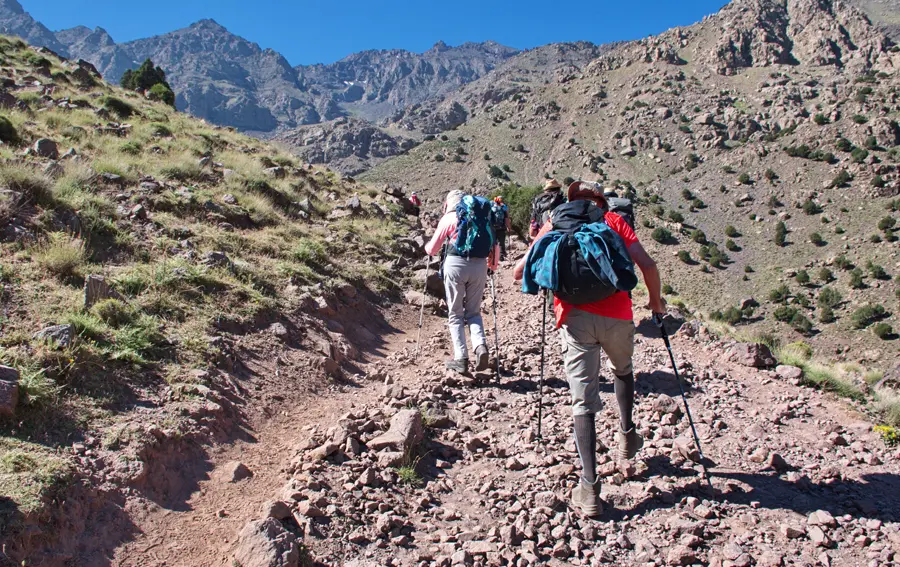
point(657, 305)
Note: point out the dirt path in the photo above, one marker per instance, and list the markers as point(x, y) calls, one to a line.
point(799, 479)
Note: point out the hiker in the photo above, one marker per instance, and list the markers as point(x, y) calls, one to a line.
point(416, 203)
point(587, 325)
point(620, 205)
point(550, 198)
point(501, 223)
point(471, 251)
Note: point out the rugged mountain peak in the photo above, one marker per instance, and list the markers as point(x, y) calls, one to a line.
point(440, 46)
point(11, 7)
point(758, 33)
point(14, 20)
point(209, 25)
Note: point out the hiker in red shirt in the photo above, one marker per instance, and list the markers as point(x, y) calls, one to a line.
point(606, 325)
point(415, 202)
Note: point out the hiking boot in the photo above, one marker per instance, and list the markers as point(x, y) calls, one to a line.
point(586, 498)
point(460, 365)
point(629, 444)
point(484, 359)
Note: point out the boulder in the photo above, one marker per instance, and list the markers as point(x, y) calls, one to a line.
point(790, 373)
point(60, 334)
point(9, 391)
point(755, 355)
point(96, 289)
point(47, 148)
point(265, 543)
point(277, 509)
point(404, 435)
point(233, 471)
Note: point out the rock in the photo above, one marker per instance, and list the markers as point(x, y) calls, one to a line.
point(96, 289)
point(755, 355)
point(821, 518)
point(277, 509)
point(681, 555)
point(215, 259)
point(789, 373)
point(9, 391)
point(59, 334)
point(277, 172)
point(138, 212)
point(387, 459)
point(310, 510)
point(770, 559)
point(324, 451)
point(777, 463)
point(790, 532)
point(461, 557)
point(265, 543)
point(818, 536)
point(46, 148)
point(404, 435)
point(279, 330)
point(233, 471)
point(54, 170)
point(687, 449)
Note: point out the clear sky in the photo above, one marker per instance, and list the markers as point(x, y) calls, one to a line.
point(326, 30)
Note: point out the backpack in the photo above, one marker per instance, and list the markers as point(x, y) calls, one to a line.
point(623, 208)
point(543, 204)
point(578, 282)
point(499, 216)
point(475, 233)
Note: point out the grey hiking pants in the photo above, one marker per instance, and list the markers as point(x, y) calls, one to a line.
point(464, 282)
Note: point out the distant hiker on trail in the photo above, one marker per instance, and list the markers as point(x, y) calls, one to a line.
point(501, 223)
point(589, 254)
point(619, 205)
point(416, 203)
point(546, 201)
point(471, 251)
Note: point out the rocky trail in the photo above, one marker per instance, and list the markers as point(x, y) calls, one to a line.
point(427, 468)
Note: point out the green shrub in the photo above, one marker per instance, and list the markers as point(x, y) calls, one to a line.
point(866, 315)
point(817, 239)
point(830, 297)
point(843, 263)
point(780, 234)
point(8, 133)
point(731, 232)
point(698, 236)
point(731, 315)
point(820, 119)
point(841, 179)
point(810, 207)
point(163, 94)
point(684, 256)
point(785, 313)
point(826, 275)
point(748, 269)
point(439, 157)
point(309, 251)
point(801, 324)
point(118, 107)
point(744, 179)
point(131, 148)
point(144, 77)
point(826, 315)
point(730, 245)
point(883, 330)
point(887, 223)
point(114, 312)
point(661, 235)
point(675, 216)
point(496, 172)
point(518, 199)
point(802, 277)
point(160, 130)
point(871, 143)
point(876, 271)
point(780, 294)
point(856, 278)
point(668, 289)
point(858, 155)
point(859, 119)
point(843, 144)
point(687, 195)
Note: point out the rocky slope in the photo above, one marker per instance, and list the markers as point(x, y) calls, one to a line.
point(764, 113)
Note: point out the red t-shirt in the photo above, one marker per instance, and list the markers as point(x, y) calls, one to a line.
point(616, 306)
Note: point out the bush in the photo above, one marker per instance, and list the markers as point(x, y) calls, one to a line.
point(160, 130)
point(744, 179)
point(820, 119)
point(780, 294)
point(826, 315)
point(162, 93)
point(829, 297)
point(118, 107)
point(871, 143)
point(810, 207)
point(887, 223)
point(856, 279)
point(883, 331)
point(780, 234)
point(668, 289)
point(748, 269)
point(8, 133)
point(518, 199)
point(114, 312)
point(817, 239)
point(61, 256)
point(825, 275)
point(841, 179)
point(731, 246)
point(131, 148)
point(859, 119)
point(866, 315)
point(685, 256)
point(144, 77)
point(496, 172)
point(676, 217)
point(858, 155)
point(802, 277)
point(439, 157)
point(661, 235)
point(687, 195)
point(877, 272)
point(843, 144)
point(785, 313)
point(731, 232)
point(698, 236)
point(35, 189)
point(843, 263)
point(731, 315)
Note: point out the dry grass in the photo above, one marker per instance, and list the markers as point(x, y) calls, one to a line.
point(62, 256)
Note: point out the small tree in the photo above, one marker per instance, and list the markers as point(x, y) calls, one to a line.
point(856, 279)
point(698, 236)
point(780, 294)
point(684, 256)
point(825, 275)
point(810, 207)
point(829, 297)
point(780, 234)
point(731, 232)
point(661, 235)
point(144, 77)
point(676, 217)
point(162, 93)
point(826, 315)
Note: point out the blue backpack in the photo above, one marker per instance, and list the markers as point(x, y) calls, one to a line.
point(474, 220)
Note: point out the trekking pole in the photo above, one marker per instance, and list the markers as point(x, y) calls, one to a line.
point(496, 332)
point(422, 309)
point(541, 381)
point(658, 319)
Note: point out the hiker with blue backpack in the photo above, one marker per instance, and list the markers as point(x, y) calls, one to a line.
point(585, 255)
point(471, 251)
point(501, 223)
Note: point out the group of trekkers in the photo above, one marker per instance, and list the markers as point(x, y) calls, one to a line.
point(583, 251)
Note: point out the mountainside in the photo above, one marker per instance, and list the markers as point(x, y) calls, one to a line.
point(884, 13)
point(767, 112)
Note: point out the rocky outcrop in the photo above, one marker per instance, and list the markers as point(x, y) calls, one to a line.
point(266, 543)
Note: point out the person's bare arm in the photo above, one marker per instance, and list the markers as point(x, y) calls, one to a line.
point(651, 276)
point(519, 270)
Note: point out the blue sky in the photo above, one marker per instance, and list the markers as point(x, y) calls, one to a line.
point(324, 31)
